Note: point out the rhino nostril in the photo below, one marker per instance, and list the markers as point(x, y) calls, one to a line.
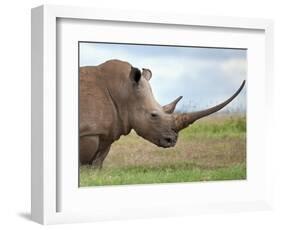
point(168, 139)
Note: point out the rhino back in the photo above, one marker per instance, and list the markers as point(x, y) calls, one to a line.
point(97, 113)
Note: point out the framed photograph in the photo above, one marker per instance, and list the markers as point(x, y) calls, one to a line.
point(139, 115)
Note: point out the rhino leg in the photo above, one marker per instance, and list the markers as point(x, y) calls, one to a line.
point(88, 148)
point(99, 158)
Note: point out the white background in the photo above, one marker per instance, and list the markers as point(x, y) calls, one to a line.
point(15, 114)
point(185, 196)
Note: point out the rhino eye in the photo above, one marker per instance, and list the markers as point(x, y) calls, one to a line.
point(154, 115)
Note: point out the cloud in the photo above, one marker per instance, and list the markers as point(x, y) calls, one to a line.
point(204, 76)
point(235, 69)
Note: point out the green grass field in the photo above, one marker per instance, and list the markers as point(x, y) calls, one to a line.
point(211, 149)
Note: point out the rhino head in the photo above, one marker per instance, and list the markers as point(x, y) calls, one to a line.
point(159, 124)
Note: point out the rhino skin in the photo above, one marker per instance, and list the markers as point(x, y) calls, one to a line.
point(115, 98)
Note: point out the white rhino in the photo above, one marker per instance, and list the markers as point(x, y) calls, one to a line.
point(115, 98)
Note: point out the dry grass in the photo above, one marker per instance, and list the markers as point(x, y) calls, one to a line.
point(209, 152)
point(212, 147)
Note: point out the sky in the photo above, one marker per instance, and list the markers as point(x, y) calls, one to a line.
point(203, 76)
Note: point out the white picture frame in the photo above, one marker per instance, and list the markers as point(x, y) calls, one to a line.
point(50, 193)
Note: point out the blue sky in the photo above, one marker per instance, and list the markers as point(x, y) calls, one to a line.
point(203, 76)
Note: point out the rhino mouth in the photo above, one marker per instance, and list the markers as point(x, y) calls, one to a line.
point(167, 142)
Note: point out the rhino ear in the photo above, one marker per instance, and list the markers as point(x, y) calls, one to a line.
point(146, 73)
point(135, 74)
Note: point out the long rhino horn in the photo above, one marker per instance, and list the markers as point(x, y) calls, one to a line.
point(171, 107)
point(185, 119)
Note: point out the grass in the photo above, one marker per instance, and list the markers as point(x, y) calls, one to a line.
point(211, 149)
point(146, 175)
point(219, 127)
